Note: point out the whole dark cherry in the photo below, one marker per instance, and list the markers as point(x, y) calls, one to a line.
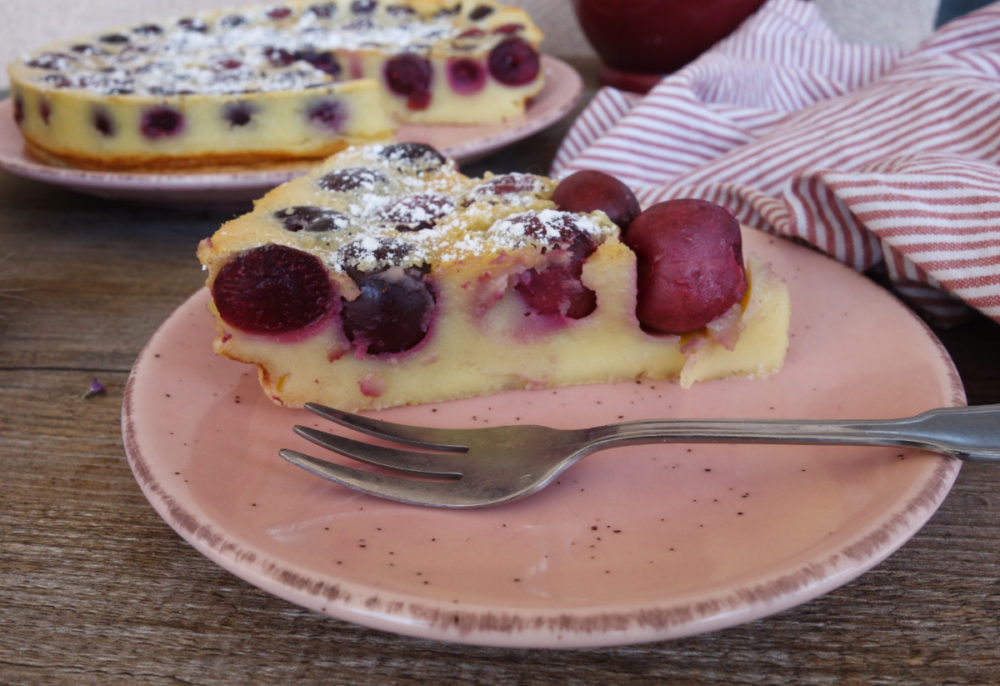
point(52, 60)
point(413, 157)
point(231, 21)
point(161, 121)
point(514, 183)
point(148, 29)
point(87, 49)
point(514, 62)
point(311, 218)
point(273, 289)
point(193, 24)
point(324, 61)
point(372, 254)
point(480, 12)
point(557, 288)
point(689, 259)
point(466, 76)
point(114, 38)
point(410, 76)
point(508, 29)
point(324, 10)
point(392, 314)
point(400, 10)
point(588, 190)
point(415, 212)
point(279, 57)
point(278, 13)
point(328, 114)
point(238, 113)
point(102, 121)
point(351, 179)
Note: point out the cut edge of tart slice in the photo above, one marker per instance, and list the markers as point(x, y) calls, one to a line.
point(490, 289)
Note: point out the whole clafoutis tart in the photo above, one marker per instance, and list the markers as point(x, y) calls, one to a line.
point(386, 277)
point(269, 84)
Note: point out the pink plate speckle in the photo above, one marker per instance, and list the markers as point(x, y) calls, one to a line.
point(634, 544)
point(563, 89)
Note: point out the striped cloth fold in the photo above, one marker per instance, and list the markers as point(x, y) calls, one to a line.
point(887, 160)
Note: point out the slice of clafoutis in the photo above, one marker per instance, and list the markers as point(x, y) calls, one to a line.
point(386, 277)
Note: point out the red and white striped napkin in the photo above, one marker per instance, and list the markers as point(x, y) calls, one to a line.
point(880, 157)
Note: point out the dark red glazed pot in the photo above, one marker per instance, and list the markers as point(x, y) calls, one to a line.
point(638, 41)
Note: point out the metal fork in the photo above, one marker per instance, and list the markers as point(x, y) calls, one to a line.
point(463, 468)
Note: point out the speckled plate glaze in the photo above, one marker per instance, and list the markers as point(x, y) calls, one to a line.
point(562, 91)
point(632, 545)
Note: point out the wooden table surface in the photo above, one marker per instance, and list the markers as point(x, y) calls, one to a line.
point(96, 588)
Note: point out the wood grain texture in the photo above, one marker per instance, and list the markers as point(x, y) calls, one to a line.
point(98, 590)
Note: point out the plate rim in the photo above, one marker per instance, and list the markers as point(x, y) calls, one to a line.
point(541, 628)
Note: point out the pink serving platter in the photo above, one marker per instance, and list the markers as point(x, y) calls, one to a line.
point(632, 545)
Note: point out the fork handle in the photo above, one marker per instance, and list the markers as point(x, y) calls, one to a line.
point(968, 432)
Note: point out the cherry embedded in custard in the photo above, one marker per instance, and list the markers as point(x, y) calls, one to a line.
point(55, 61)
point(480, 12)
point(238, 113)
point(323, 10)
point(413, 157)
point(162, 121)
point(231, 21)
point(514, 62)
point(410, 76)
point(415, 212)
point(279, 57)
point(363, 6)
point(278, 13)
point(466, 76)
point(328, 114)
point(272, 289)
point(311, 219)
point(690, 264)
point(508, 187)
point(193, 24)
point(589, 190)
point(372, 254)
point(352, 178)
point(324, 61)
point(509, 29)
point(148, 29)
point(392, 314)
point(103, 122)
point(557, 288)
point(114, 38)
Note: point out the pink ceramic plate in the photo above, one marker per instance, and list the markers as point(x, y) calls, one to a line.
point(634, 544)
point(464, 143)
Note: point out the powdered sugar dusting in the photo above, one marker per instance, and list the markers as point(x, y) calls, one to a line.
point(417, 210)
point(237, 51)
